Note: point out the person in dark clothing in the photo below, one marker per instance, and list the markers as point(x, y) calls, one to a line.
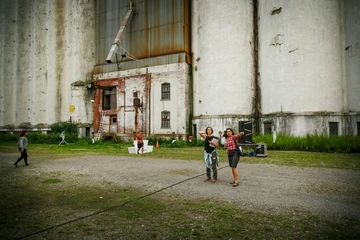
point(22, 146)
point(211, 157)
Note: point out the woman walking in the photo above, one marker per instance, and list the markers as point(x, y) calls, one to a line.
point(210, 155)
point(22, 146)
point(230, 141)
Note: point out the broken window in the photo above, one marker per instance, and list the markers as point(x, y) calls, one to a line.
point(165, 119)
point(165, 91)
point(109, 98)
point(333, 128)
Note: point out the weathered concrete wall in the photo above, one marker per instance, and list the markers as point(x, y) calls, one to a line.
point(306, 79)
point(46, 46)
point(178, 77)
point(301, 125)
point(352, 53)
point(223, 65)
point(300, 56)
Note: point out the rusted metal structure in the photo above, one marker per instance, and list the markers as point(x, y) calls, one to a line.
point(152, 35)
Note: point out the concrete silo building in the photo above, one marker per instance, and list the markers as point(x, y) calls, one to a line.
point(307, 75)
point(223, 63)
point(174, 67)
point(47, 53)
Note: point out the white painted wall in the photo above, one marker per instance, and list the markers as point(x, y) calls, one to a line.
point(222, 42)
point(300, 56)
point(178, 77)
point(45, 46)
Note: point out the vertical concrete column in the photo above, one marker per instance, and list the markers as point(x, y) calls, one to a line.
point(352, 53)
point(9, 61)
point(222, 45)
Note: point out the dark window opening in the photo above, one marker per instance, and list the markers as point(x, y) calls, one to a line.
point(194, 131)
point(165, 91)
point(165, 119)
point(358, 128)
point(109, 99)
point(87, 132)
point(333, 128)
point(113, 119)
point(267, 128)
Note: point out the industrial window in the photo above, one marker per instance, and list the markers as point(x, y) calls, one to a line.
point(165, 91)
point(109, 98)
point(334, 128)
point(165, 119)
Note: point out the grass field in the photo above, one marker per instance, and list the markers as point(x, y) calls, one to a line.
point(45, 206)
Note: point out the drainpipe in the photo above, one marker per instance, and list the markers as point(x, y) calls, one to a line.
point(148, 83)
point(257, 93)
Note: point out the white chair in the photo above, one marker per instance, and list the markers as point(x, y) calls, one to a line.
point(147, 148)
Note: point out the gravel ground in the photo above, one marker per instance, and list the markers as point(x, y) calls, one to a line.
point(333, 193)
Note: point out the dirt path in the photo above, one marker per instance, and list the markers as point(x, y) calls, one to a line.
point(333, 193)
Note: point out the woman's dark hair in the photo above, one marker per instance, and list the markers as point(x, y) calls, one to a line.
point(232, 131)
point(22, 133)
point(212, 131)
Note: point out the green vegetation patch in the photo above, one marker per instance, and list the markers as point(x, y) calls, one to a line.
point(80, 208)
point(52, 180)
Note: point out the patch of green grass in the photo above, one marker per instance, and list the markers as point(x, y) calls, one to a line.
point(107, 211)
point(52, 180)
point(75, 208)
point(282, 158)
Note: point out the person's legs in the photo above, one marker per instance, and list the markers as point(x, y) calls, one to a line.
point(214, 169)
point(235, 174)
point(19, 159)
point(208, 175)
point(233, 161)
point(139, 146)
point(208, 171)
point(214, 158)
point(25, 157)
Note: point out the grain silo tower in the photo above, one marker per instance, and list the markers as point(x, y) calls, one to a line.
point(301, 64)
point(47, 57)
point(223, 63)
